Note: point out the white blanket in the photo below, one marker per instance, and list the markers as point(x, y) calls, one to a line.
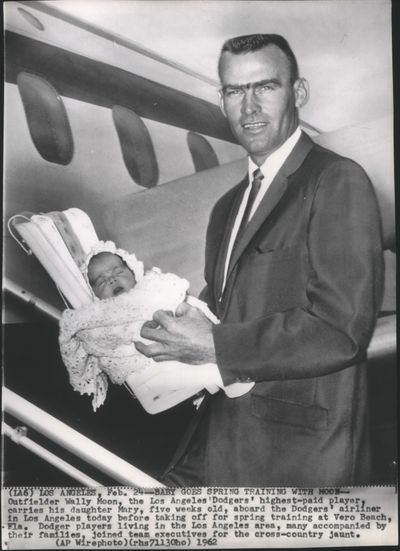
point(97, 341)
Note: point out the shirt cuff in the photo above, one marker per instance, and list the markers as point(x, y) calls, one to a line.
point(212, 378)
point(213, 382)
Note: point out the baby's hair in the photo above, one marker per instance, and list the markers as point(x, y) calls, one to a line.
point(101, 254)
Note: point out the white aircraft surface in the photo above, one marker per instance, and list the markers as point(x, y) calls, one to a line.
point(112, 107)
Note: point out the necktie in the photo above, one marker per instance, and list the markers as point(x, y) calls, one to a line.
point(258, 177)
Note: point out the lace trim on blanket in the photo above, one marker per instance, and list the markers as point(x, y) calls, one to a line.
point(97, 341)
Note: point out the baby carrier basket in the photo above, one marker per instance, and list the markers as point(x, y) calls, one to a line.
point(61, 242)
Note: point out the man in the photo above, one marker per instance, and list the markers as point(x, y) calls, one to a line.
point(297, 287)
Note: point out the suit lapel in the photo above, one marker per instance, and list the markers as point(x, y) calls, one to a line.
point(267, 205)
point(220, 265)
point(271, 198)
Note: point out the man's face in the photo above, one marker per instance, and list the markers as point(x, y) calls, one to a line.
point(109, 276)
point(262, 114)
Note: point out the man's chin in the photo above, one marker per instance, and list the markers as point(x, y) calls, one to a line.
point(259, 150)
point(256, 146)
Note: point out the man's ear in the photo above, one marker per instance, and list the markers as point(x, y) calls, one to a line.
point(301, 91)
point(221, 103)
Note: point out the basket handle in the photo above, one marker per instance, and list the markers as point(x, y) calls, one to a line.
point(11, 227)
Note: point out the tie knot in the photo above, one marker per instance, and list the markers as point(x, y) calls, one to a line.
point(258, 175)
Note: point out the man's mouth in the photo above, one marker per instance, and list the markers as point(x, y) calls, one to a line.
point(254, 125)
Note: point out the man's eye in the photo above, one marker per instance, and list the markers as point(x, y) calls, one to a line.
point(229, 92)
point(100, 282)
point(263, 88)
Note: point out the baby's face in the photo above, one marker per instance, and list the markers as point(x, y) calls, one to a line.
point(109, 276)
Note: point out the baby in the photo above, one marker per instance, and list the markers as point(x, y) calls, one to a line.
point(109, 276)
point(97, 341)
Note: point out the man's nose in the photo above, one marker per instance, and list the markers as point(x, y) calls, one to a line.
point(250, 103)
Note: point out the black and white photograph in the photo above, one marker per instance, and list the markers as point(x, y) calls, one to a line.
point(198, 246)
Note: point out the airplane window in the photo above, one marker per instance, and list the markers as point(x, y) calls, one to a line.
point(31, 19)
point(47, 119)
point(202, 152)
point(136, 146)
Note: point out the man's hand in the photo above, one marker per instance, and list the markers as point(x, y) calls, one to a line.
point(187, 337)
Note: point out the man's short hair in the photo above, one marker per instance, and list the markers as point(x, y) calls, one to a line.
point(255, 42)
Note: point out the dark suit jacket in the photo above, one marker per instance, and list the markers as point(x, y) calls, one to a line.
point(303, 292)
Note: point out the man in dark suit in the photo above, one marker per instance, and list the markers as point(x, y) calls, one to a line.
point(294, 271)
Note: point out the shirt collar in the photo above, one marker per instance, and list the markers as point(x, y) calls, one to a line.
point(273, 163)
